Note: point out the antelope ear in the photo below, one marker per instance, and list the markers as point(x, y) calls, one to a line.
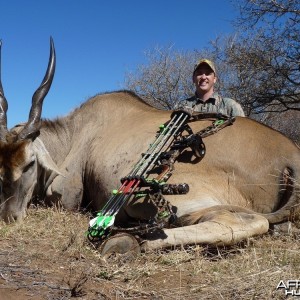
point(44, 157)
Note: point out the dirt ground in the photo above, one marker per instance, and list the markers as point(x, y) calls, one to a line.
point(48, 257)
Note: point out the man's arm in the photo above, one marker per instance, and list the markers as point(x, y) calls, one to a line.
point(234, 107)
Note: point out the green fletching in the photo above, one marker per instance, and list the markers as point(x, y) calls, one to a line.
point(104, 221)
point(99, 225)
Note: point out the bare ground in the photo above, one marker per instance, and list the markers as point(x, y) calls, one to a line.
point(48, 257)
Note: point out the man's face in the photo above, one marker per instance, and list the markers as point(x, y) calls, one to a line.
point(204, 79)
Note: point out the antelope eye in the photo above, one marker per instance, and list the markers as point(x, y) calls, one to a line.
point(31, 164)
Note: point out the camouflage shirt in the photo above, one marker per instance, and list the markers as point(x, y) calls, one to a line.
point(216, 103)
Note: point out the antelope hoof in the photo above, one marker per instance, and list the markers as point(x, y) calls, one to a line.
point(119, 244)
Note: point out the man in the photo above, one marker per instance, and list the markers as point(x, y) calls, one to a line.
point(206, 99)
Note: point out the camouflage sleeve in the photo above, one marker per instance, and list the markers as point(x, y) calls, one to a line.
point(235, 108)
point(187, 103)
point(180, 104)
point(183, 107)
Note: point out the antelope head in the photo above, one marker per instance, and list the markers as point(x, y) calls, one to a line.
point(18, 154)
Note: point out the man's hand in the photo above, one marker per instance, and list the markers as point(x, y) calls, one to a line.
point(183, 110)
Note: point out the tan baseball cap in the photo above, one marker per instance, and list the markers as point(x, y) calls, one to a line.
point(205, 61)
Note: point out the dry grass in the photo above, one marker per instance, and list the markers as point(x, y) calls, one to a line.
point(47, 256)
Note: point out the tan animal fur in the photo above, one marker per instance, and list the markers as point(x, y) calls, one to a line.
point(248, 179)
